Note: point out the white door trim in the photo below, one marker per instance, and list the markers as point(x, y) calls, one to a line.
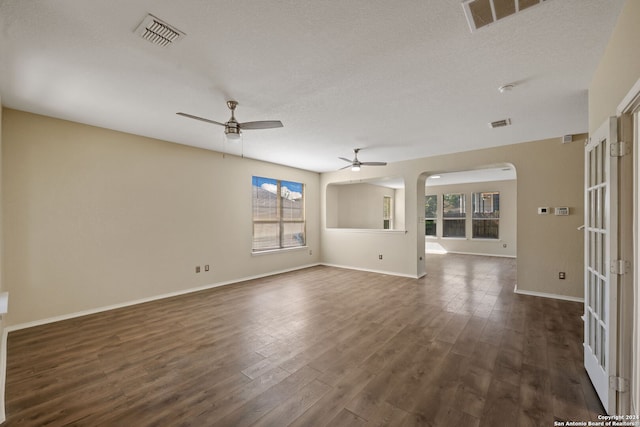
point(630, 105)
point(631, 102)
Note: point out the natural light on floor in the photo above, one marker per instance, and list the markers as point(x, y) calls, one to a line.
point(434, 248)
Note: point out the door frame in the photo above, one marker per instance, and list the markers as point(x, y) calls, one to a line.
point(628, 112)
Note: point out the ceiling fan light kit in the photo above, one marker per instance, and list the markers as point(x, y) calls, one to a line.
point(232, 136)
point(355, 164)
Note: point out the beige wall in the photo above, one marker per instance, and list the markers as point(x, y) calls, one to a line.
point(3, 343)
point(94, 217)
point(549, 174)
point(1, 223)
point(398, 206)
point(360, 205)
point(616, 74)
point(619, 67)
point(505, 245)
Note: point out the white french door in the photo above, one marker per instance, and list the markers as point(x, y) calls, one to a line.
point(600, 276)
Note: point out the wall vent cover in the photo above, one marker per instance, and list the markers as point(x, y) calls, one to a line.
point(500, 123)
point(158, 32)
point(481, 13)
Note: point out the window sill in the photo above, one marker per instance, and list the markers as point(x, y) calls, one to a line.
point(277, 251)
point(367, 230)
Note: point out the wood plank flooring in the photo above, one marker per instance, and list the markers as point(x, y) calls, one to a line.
point(320, 346)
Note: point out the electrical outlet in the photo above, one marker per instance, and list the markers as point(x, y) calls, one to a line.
point(310, 252)
point(380, 256)
point(504, 245)
point(197, 269)
point(206, 267)
point(561, 275)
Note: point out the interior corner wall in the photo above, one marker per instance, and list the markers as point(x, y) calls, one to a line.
point(619, 68)
point(506, 243)
point(96, 218)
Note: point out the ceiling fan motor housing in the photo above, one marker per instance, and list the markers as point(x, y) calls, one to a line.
point(232, 130)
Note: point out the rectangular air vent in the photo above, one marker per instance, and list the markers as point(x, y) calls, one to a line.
point(158, 32)
point(500, 123)
point(481, 13)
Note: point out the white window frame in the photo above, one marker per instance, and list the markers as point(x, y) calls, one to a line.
point(434, 218)
point(387, 212)
point(463, 218)
point(474, 219)
point(279, 218)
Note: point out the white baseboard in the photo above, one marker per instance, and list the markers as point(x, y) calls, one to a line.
point(3, 373)
point(148, 299)
point(479, 254)
point(547, 295)
point(369, 270)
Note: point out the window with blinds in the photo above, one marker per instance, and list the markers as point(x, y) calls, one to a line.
point(278, 214)
point(430, 215)
point(486, 215)
point(387, 209)
point(453, 215)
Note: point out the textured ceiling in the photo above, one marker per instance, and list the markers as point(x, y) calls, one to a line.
point(404, 79)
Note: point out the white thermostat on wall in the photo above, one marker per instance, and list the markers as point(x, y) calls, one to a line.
point(561, 211)
point(543, 211)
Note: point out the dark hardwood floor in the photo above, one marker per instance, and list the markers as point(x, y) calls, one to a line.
point(320, 346)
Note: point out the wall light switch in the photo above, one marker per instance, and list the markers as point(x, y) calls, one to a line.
point(561, 211)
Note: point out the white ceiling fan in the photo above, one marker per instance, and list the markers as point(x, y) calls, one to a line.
point(355, 164)
point(233, 128)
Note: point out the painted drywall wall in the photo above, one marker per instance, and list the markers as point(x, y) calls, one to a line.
point(468, 245)
point(549, 174)
point(619, 68)
point(3, 340)
point(398, 206)
point(94, 217)
point(616, 74)
point(359, 205)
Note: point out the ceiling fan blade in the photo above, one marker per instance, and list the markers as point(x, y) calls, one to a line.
point(263, 124)
point(200, 118)
point(348, 166)
point(346, 160)
point(373, 163)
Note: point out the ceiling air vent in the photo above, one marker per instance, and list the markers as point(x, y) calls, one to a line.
point(500, 123)
point(158, 32)
point(481, 13)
